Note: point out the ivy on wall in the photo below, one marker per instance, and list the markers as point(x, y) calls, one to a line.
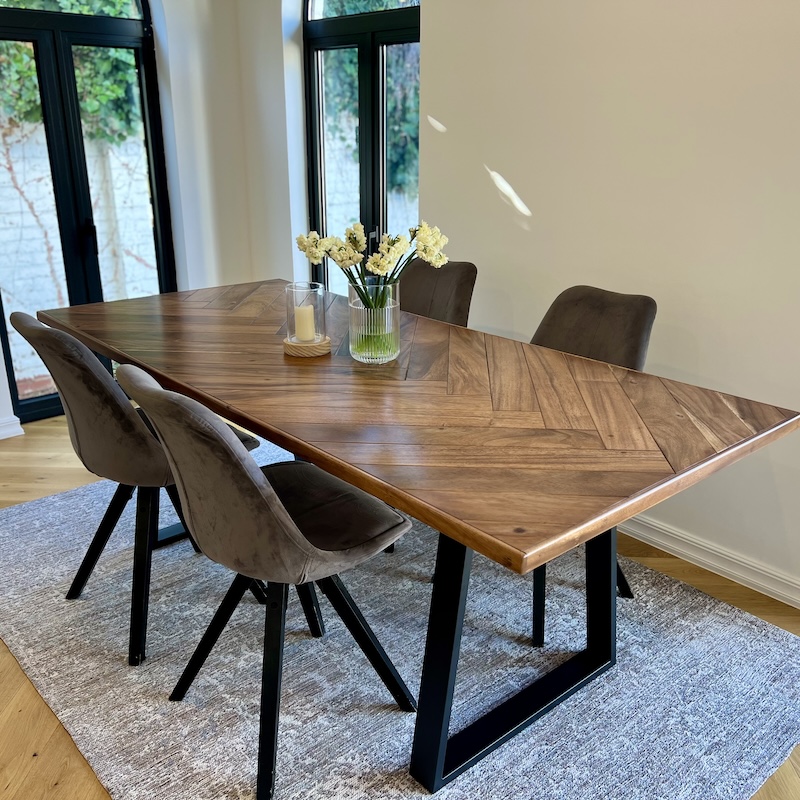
point(106, 77)
point(341, 8)
point(126, 9)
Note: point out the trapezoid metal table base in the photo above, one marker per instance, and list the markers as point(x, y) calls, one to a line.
point(436, 757)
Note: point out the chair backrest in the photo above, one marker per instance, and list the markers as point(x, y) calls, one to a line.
point(443, 293)
point(598, 324)
point(231, 509)
point(107, 433)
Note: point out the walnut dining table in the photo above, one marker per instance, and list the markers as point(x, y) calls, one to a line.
point(513, 451)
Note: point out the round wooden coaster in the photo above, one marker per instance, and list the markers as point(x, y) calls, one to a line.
point(307, 349)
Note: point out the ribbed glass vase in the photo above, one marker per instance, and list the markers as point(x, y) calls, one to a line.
point(374, 323)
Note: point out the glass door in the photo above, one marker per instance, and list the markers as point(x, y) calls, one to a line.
point(115, 153)
point(32, 269)
point(80, 216)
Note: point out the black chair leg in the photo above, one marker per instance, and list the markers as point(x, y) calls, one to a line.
point(175, 499)
point(308, 599)
point(623, 586)
point(274, 632)
point(539, 583)
point(234, 595)
point(145, 539)
point(259, 590)
point(346, 608)
point(110, 519)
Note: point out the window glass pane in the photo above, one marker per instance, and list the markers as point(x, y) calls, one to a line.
point(116, 159)
point(340, 158)
point(402, 137)
point(322, 9)
point(32, 275)
point(127, 9)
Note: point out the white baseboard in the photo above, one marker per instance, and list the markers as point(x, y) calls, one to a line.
point(9, 426)
point(742, 569)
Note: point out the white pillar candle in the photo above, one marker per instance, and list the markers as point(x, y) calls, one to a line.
point(304, 330)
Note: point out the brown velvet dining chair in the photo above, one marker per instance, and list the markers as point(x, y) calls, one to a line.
point(606, 326)
point(113, 441)
point(285, 524)
point(443, 293)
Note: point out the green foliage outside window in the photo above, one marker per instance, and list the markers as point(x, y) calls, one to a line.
point(402, 110)
point(127, 9)
point(341, 8)
point(402, 120)
point(106, 78)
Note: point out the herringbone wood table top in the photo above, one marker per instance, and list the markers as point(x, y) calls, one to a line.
point(517, 451)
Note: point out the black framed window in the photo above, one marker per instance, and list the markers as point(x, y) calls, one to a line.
point(84, 212)
point(325, 9)
point(362, 101)
point(121, 9)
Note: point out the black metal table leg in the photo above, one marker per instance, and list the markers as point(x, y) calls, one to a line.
point(436, 757)
point(449, 599)
point(539, 587)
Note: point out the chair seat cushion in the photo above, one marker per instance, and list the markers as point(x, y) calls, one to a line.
point(331, 514)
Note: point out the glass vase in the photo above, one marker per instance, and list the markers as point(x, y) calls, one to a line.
point(374, 323)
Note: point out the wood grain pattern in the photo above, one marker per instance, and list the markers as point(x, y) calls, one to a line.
point(430, 351)
point(617, 421)
point(560, 400)
point(517, 451)
point(721, 425)
point(510, 381)
point(468, 371)
point(681, 441)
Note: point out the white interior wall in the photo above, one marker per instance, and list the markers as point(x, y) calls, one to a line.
point(655, 145)
point(199, 82)
point(236, 163)
point(270, 42)
point(204, 139)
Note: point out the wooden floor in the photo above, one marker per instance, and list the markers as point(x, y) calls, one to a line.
point(38, 760)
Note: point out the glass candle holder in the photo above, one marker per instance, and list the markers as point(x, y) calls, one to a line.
point(305, 313)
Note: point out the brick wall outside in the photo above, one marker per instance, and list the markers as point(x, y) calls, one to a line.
point(31, 264)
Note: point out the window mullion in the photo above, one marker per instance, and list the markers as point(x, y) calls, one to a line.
point(314, 150)
point(366, 141)
point(89, 274)
point(379, 134)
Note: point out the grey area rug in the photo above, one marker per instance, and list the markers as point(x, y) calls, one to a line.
point(704, 701)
